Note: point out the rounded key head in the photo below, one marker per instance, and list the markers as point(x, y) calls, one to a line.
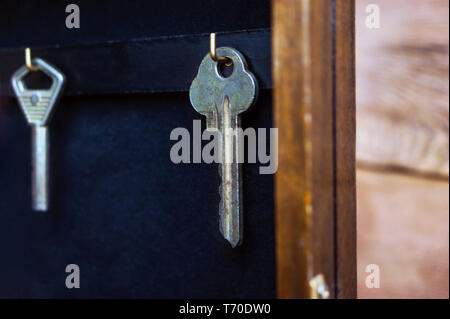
point(38, 105)
point(209, 87)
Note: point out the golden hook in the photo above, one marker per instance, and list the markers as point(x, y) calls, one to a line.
point(28, 63)
point(212, 51)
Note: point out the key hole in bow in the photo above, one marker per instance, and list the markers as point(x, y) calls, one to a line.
point(224, 70)
point(37, 81)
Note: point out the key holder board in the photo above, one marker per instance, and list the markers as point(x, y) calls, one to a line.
point(136, 224)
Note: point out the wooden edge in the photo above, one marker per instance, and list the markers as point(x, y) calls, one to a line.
point(346, 269)
point(321, 61)
point(314, 114)
point(292, 181)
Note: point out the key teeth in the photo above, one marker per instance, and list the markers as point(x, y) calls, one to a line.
point(233, 244)
point(233, 241)
point(231, 238)
point(211, 120)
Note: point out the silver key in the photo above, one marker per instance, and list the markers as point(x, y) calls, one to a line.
point(221, 100)
point(38, 106)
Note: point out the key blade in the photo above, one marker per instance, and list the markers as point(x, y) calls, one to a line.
point(211, 119)
point(40, 165)
point(231, 225)
point(230, 209)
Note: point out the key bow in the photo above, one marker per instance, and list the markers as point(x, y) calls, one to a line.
point(38, 105)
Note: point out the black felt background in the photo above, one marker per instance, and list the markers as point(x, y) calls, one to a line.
point(136, 224)
point(38, 23)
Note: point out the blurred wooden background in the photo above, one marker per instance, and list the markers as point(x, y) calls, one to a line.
point(402, 85)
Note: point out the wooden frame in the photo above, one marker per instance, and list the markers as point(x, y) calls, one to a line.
point(314, 111)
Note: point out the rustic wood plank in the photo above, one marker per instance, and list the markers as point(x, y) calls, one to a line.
point(403, 88)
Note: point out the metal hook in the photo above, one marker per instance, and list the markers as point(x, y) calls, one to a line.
point(28, 63)
point(212, 52)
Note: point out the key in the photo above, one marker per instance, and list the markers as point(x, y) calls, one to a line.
point(222, 100)
point(38, 106)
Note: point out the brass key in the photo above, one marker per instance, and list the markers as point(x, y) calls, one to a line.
point(222, 99)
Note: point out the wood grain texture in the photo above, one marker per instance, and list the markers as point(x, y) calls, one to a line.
point(346, 267)
point(292, 181)
point(319, 66)
point(403, 87)
point(307, 194)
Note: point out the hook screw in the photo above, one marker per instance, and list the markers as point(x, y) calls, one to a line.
point(212, 51)
point(28, 63)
